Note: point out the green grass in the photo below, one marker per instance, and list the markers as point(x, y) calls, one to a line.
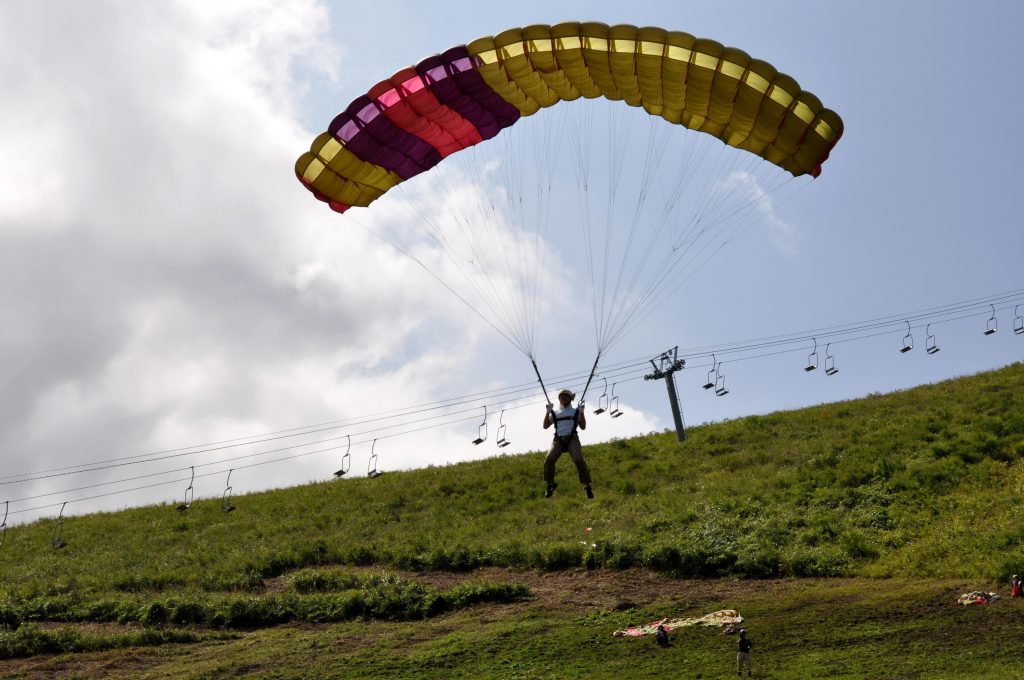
point(890, 491)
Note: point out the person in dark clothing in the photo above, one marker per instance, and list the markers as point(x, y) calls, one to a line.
point(661, 637)
point(743, 645)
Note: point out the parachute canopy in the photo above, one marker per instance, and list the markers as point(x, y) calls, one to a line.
point(407, 124)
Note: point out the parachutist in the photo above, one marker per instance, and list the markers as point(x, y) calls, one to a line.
point(567, 420)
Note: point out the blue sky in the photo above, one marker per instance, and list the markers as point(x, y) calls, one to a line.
point(165, 282)
point(914, 209)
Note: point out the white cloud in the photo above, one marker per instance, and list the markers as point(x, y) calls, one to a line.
point(165, 280)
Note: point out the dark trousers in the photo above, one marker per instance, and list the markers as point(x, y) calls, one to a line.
point(575, 450)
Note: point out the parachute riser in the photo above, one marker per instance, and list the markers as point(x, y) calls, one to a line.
point(540, 380)
point(583, 397)
point(593, 371)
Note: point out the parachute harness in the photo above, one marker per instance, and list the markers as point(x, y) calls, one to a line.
point(583, 395)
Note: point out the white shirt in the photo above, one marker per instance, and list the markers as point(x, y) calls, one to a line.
point(564, 427)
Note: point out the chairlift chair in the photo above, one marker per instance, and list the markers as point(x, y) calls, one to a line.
point(188, 493)
point(908, 341)
point(1018, 322)
point(720, 388)
point(346, 460)
point(3, 525)
point(225, 500)
point(992, 325)
point(929, 342)
point(830, 361)
point(501, 439)
point(481, 435)
point(614, 412)
point(371, 466)
point(602, 401)
point(812, 358)
point(58, 541)
point(714, 369)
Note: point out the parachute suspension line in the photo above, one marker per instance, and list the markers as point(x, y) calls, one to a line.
point(734, 191)
point(399, 248)
point(499, 272)
point(579, 131)
point(532, 265)
point(686, 174)
point(764, 203)
point(690, 159)
point(619, 131)
point(546, 147)
point(652, 161)
point(486, 267)
point(684, 268)
point(469, 265)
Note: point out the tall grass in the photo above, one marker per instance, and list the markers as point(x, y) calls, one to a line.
point(928, 480)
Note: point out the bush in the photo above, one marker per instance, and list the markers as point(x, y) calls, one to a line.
point(561, 557)
point(9, 618)
point(30, 640)
point(857, 546)
point(188, 612)
point(761, 562)
point(156, 614)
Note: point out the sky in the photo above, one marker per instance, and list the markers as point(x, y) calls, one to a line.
point(171, 296)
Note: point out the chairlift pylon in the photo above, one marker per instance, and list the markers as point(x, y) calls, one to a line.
point(3, 525)
point(613, 404)
point(720, 388)
point(371, 466)
point(830, 361)
point(1018, 321)
point(188, 493)
point(481, 434)
point(602, 401)
point(501, 439)
point(992, 325)
point(908, 340)
point(929, 342)
point(711, 379)
point(812, 358)
point(58, 541)
point(225, 500)
point(346, 459)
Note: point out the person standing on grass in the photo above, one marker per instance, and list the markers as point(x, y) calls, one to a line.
point(743, 645)
point(1016, 586)
point(566, 421)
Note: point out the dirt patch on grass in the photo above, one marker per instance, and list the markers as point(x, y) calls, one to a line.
point(592, 589)
point(587, 589)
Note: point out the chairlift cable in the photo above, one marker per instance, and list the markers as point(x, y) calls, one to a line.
point(248, 455)
point(523, 388)
point(732, 348)
point(334, 448)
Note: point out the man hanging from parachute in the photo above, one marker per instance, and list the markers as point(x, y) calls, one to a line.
point(566, 421)
point(744, 129)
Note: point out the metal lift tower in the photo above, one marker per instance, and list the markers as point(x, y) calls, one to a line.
point(665, 365)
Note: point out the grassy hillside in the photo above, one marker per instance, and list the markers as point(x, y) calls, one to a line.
point(925, 483)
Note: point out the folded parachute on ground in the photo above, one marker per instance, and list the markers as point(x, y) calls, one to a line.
point(722, 617)
point(407, 124)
